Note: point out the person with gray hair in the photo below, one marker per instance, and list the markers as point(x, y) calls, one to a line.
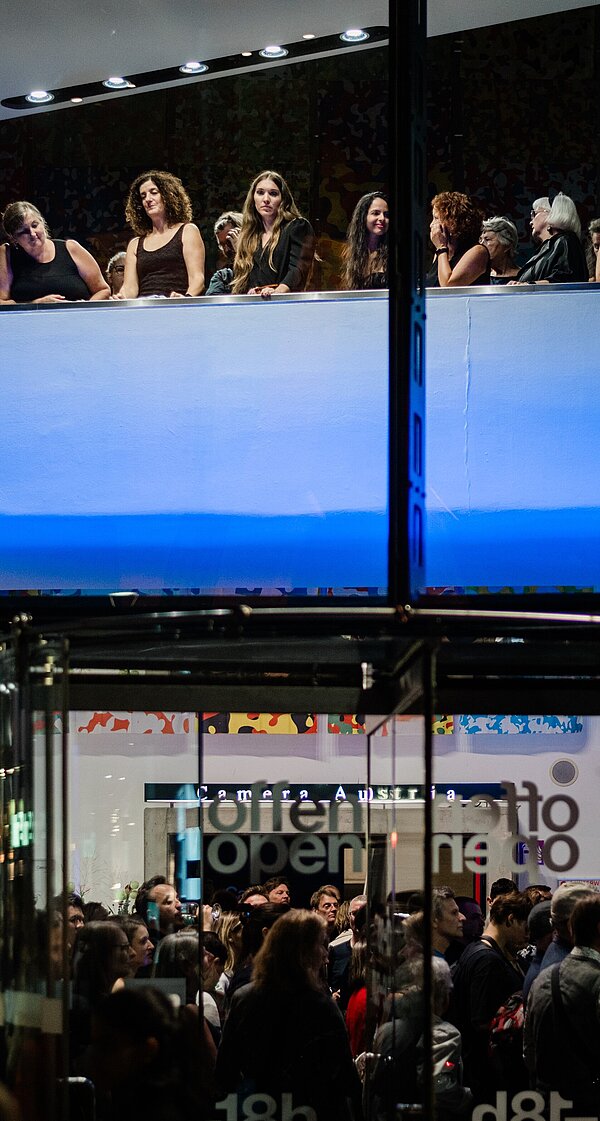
point(562, 906)
point(539, 220)
point(115, 272)
point(446, 920)
point(227, 228)
point(401, 1052)
point(560, 259)
point(562, 1025)
point(500, 238)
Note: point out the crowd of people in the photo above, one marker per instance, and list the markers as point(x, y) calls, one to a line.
point(268, 248)
point(325, 1003)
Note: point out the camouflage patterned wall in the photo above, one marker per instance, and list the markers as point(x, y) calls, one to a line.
point(512, 115)
point(322, 124)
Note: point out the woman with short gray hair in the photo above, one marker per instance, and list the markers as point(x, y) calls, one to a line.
point(500, 238)
point(560, 259)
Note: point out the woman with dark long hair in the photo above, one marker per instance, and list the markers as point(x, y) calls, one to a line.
point(284, 1033)
point(366, 250)
point(101, 961)
point(276, 245)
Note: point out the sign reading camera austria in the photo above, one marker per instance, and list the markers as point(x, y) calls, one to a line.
point(238, 816)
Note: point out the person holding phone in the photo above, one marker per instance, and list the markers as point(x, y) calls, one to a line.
point(459, 259)
point(227, 230)
point(158, 905)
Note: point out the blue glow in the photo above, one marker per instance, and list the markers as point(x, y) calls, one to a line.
point(210, 446)
point(513, 441)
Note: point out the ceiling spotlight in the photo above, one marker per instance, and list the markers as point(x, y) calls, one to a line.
point(273, 52)
point(194, 68)
point(309, 36)
point(39, 97)
point(246, 54)
point(354, 35)
point(118, 84)
point(76, 100)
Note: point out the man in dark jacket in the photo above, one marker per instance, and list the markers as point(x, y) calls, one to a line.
point(562, 1025)
point(486, 975)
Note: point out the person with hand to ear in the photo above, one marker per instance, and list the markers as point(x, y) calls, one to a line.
point(459, 259)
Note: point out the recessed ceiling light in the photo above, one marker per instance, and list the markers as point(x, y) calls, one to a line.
point(76, 100)
point(118, 84)
point(273, 52)
point(354, 35)
point(246, 54)
point(194, 67)
point(39, 97)
point(309, 36)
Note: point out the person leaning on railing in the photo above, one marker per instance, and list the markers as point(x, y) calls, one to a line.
point(459, 259)
point(35, 268)
point(500, 238)
point(560, 259)
point(276, 245)
point(167, 256)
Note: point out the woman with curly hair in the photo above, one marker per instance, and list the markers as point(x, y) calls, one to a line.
point(276, 245)
point(167, 256)
point(366, 250)
point(459, 259)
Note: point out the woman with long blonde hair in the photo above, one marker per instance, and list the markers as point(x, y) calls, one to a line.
point(276, 245)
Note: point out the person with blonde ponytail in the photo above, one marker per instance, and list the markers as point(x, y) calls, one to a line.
point(276, 245)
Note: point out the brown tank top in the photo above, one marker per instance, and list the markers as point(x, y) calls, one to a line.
point(163, 270)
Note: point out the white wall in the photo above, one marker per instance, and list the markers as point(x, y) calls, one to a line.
point(107, 812)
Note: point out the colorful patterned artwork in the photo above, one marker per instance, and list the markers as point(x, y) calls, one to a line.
point(505, 725)
point(346, 723)
point(442, 725)
point(146, 723)
point(261, 723)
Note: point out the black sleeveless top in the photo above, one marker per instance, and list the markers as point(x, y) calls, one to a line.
point(163, 270)
point(432, 279)
point(33, 279)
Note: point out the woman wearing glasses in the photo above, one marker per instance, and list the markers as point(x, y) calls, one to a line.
point(560, 258)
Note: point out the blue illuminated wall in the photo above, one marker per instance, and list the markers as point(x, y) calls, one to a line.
point(206, 446)
point(241, 447)
point(513, 439)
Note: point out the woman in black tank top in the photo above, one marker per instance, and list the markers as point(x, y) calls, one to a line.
point(455, 230)
point(34, 268)
point(167, 256)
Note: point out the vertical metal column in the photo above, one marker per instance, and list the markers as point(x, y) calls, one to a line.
point(65, 839)
point(429, 670)
point(408, 164)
